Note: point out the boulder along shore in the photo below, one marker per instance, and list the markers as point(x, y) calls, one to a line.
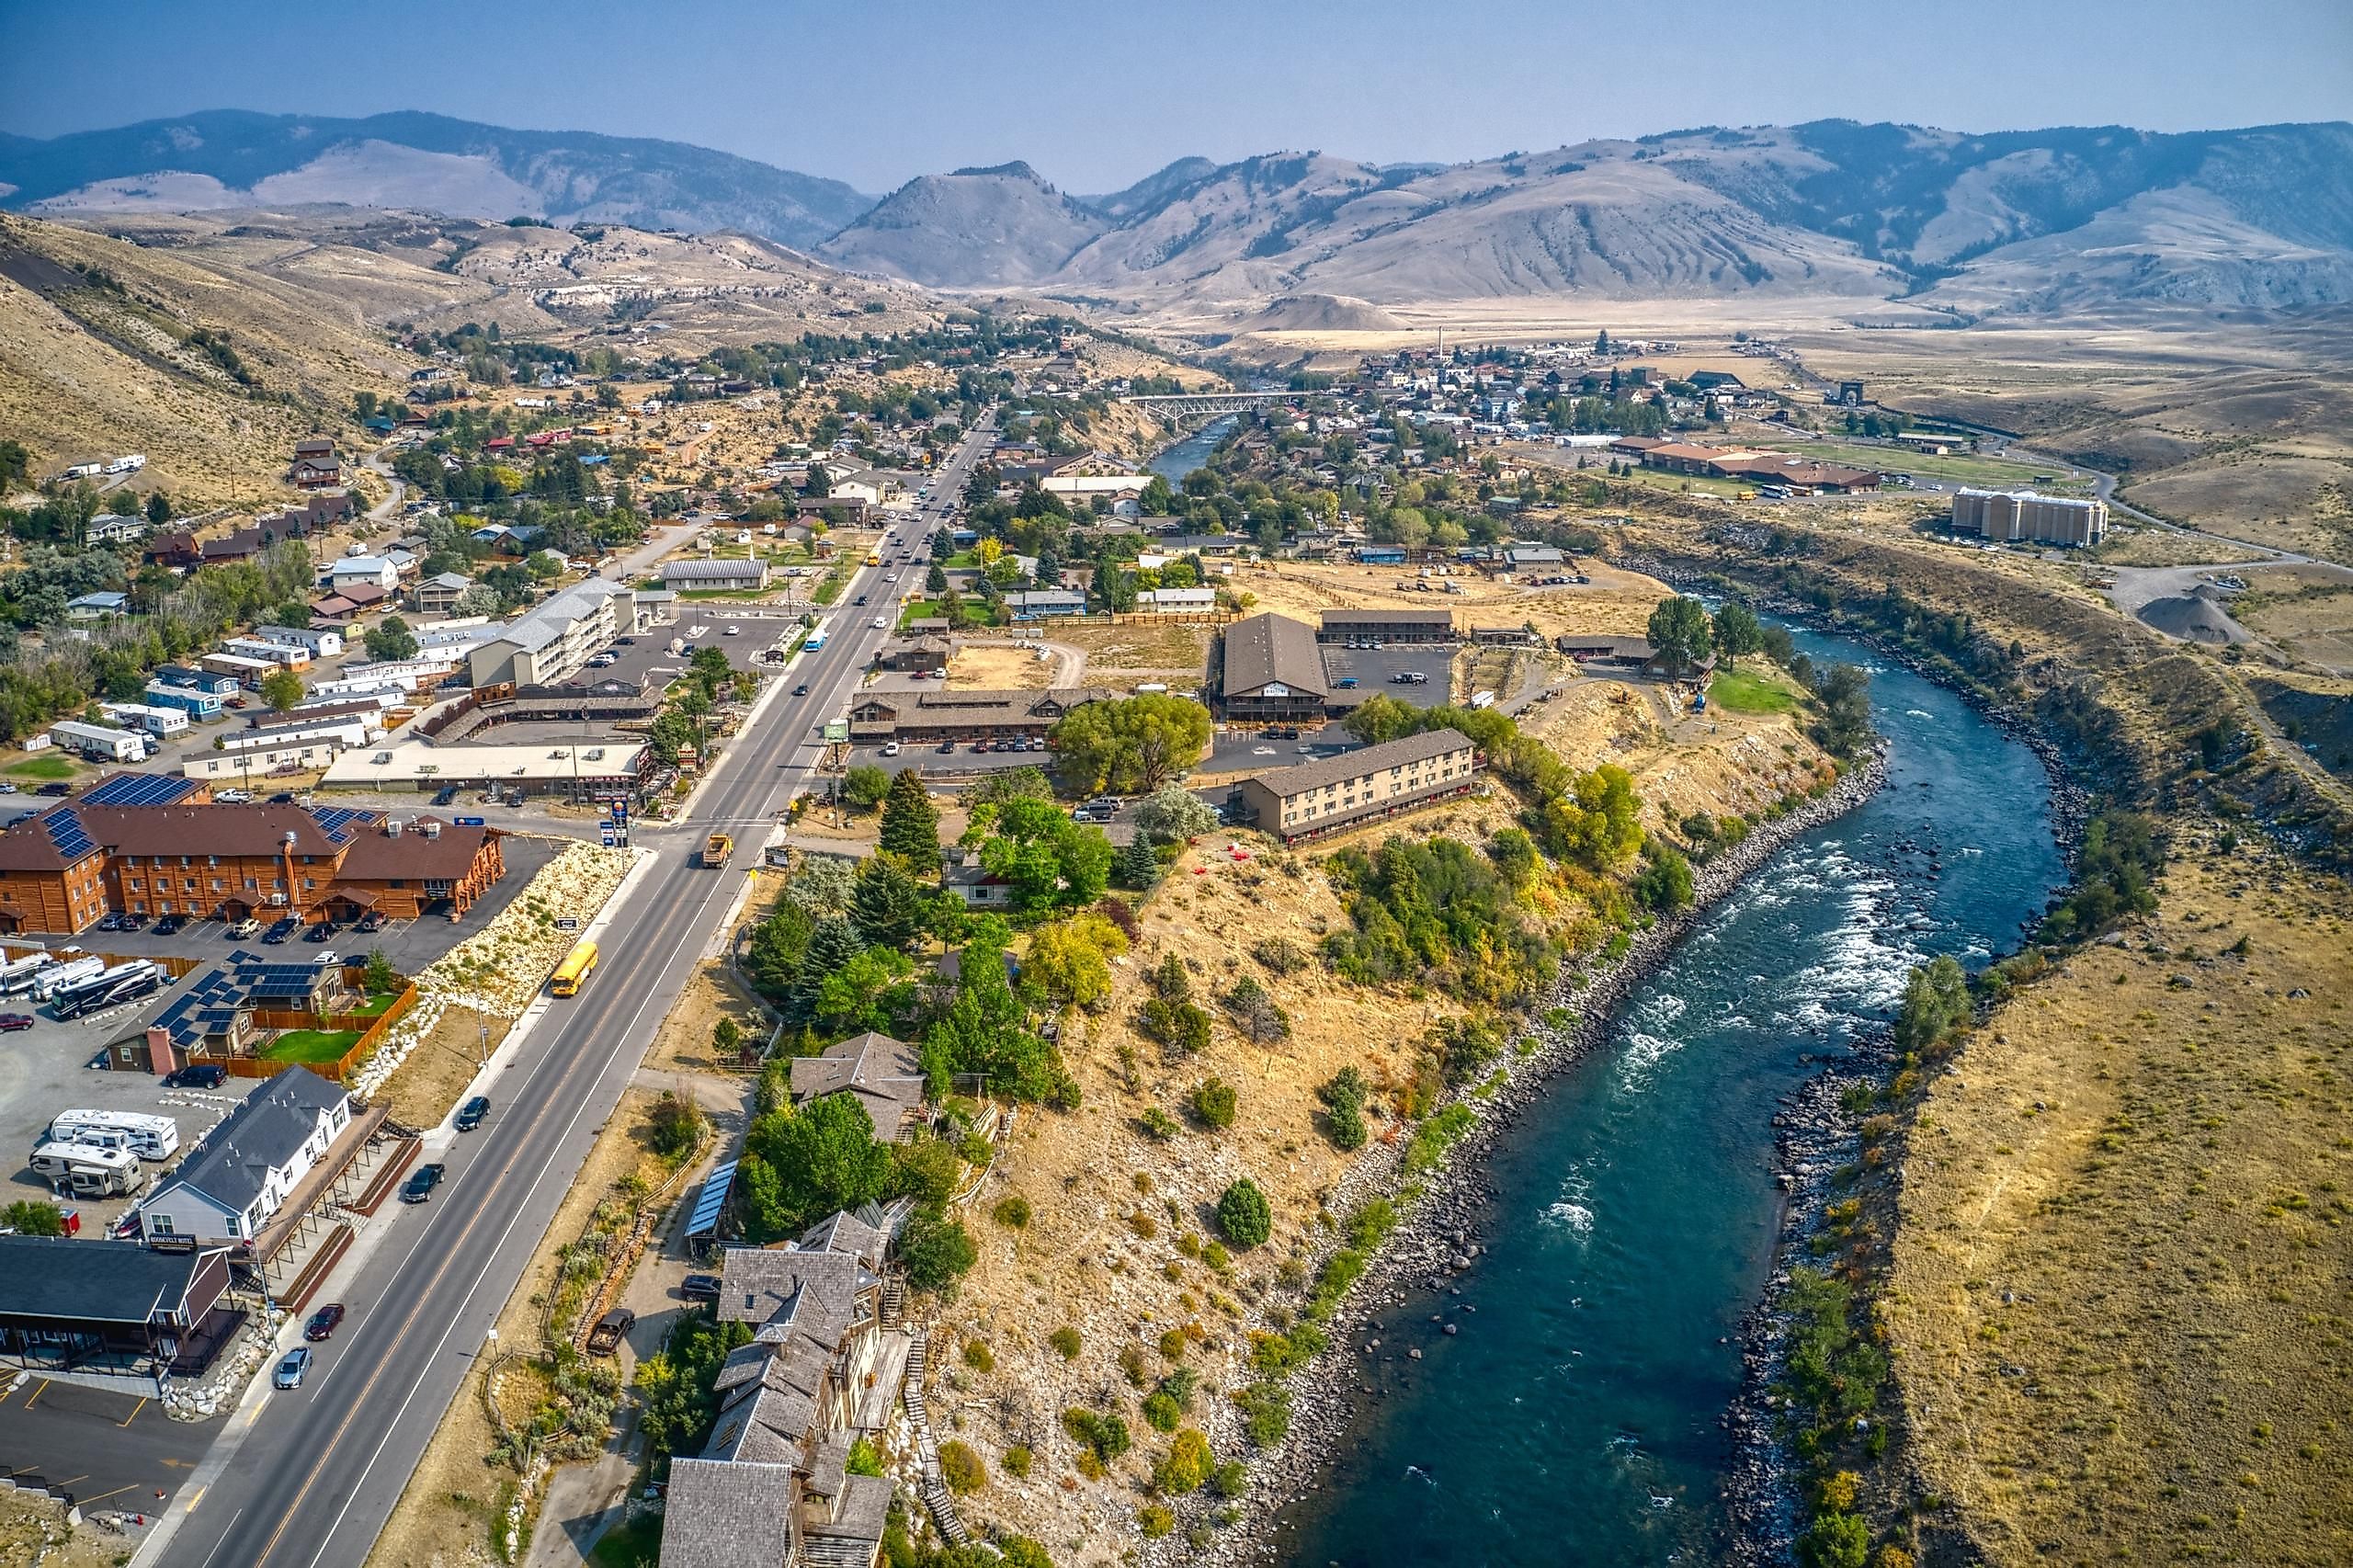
point(1436, 1241)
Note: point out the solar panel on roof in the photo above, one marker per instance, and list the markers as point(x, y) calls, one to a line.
point(139, 789)
point(711, 1200)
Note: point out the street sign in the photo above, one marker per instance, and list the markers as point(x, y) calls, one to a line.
point(837, 730)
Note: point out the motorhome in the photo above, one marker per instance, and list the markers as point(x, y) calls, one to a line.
point(89, 1172)
point(55, 978)
point(152, 1137)
point(108, 988)
point(17, 976)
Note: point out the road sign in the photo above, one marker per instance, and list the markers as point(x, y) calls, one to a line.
point(837, 730)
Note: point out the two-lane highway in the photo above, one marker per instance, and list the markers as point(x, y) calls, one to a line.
point(321, 1469)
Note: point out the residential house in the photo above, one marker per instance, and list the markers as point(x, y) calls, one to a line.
point(361, 571)
point(97, 607)
point(242, 1172)
point(885, 1075)
point(114, 528)
point(315, 464)
point(439, 594)
point(920, 653)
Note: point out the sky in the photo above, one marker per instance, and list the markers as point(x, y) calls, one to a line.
point(1098, 95)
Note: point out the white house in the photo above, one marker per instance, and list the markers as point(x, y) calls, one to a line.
point(1176, 601)
point(372, 570)
point(241, 1172)
point(322, 644)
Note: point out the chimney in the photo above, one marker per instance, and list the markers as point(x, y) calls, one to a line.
point(392, 827)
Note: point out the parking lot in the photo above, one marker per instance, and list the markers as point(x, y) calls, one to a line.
point(46, 1069)
point(110, 1450)
point(1374, 668)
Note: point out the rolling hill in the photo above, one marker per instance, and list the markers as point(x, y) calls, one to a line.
point(228, 158)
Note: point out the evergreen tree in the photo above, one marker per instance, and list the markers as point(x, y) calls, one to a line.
point(887, 908)
point(832, 944)
point(909, 822)
point(1136, 867)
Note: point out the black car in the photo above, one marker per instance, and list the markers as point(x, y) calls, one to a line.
point(370, 923)
point(279, 930)
point(699, 1287)
point(859, 601)
point(624, 641)
point(171, 924)
point(445, 795)
point(471, 1114)
point(283, 798)
point(54, 789)
point(801, 691)
point(420, 1184)
point(197, 1075)
point(322, 932)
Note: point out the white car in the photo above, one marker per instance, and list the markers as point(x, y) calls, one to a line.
point(734, 631)
point(878, 623)
point(889, 748)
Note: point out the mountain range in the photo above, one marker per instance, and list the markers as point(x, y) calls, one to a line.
point(229, 158)
point(2055, 220)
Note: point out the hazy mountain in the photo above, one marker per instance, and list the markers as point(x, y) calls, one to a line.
point(1000, 226)
point(228, 158)
point(2039, 219)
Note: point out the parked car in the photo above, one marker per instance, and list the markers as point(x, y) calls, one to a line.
point(605, 1337)
point(11, 1022)
point(947, 747)
point(283, 798)
point(327, 959)
point(889, 748)
point(281, 929)
point(370, 923)
point(323, 1321)
point(472, 1114)
point(54, 789)
point(171, 924)
point(197, 1075)
point(699, 1287)
point(232, 798)
point(422, 1181)
point(624, 641)
point(239, 930)
point(322, 932)
point(296, 1362)
point(445, 795)
point(6, 788)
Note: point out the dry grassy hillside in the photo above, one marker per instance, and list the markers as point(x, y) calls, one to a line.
point(2119, 1300)
point(99, 361)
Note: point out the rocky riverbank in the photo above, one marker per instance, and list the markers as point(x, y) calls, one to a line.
point(1437, 1242)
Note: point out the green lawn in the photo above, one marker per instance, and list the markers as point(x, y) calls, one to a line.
point(1745, 691)
point(44, 767)
point(637, 1544)
point(311, 1045)
point(377, 1005)
point(1962, 467)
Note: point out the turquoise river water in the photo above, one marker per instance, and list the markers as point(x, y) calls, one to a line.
point(1574, 1418)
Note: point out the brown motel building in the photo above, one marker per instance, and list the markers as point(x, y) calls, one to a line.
point(63, 869)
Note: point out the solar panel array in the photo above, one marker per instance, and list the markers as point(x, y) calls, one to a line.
point(339, 823)
point(64, 826)
point(140, 789)
point(711, 1200)
point(212, 1003)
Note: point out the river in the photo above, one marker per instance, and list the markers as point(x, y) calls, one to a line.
point(1574, 1418)
point(1175, 461)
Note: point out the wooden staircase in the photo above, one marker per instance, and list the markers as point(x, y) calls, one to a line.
point(936, 1495)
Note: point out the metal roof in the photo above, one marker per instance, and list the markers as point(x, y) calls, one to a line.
point(710, 1199)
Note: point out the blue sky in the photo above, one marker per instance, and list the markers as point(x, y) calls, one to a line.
point(1096, 96)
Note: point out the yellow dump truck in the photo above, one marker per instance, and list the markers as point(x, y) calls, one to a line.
point(715, 851)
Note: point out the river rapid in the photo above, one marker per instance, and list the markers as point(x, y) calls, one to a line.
point(1575, 1415)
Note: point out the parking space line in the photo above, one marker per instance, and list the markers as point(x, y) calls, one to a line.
point(134, 1412)
point(37, 1393)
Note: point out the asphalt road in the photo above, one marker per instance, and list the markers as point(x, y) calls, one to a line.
point(311, 1478)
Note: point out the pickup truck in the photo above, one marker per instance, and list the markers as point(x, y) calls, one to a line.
point(605, 1336)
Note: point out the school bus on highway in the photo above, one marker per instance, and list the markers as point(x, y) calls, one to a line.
point(573, 971)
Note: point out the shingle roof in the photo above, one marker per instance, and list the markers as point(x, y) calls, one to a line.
point(1273, 648)
point(261, 1132)
point(886, 1075)
point(720, 1515)
point(1365, 759)
point(57, 1276)
point(1388, 616)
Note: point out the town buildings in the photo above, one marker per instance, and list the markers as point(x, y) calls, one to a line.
point(553, 641)
point(733, 574)
point(934, 716)
point(242, 1172)
point(1273, 672)
point(70, 1305)
point(1341, 791)
point(62, 869)
point(2021, 515)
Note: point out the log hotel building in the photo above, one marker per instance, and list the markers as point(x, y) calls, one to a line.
point(61, 871)
point(1342, 792)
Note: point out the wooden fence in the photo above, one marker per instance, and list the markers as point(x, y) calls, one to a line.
point(371, 1032)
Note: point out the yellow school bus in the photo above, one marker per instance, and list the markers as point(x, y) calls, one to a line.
point(574, 971)
point(873, 558)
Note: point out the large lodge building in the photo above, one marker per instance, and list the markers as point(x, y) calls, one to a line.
point(64, 869)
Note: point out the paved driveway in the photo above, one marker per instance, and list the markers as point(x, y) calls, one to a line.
point(110, 1450)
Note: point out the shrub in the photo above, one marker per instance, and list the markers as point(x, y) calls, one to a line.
point(1104, 1437)
point(1158, 1124)
point(1265, 1411)
point(1066, 1340)
point(1181, 1028)
point(1280, 955)
point(1012, 1211)
point(674, 1126)
point(1230, 1479)
point(962, 1468)
point(1154, 1521)
point(1132, 1362)
point(1343, 1095)
point(1835, 1540)
point(978, 1356)
point(865, 1458)
point(1185, 1466)
point(1172, 1345)
point(1436, 1136)
point(935, 1251)
point(1016, 1462)
point(1244, 1214)
point(1214, 1101)
point(1160, 1411)
point(1256, 1012)
point(1216, 1256)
